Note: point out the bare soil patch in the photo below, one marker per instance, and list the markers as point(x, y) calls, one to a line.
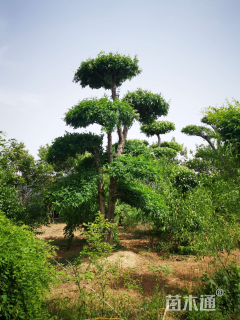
point(138, 256)
point(55, 233)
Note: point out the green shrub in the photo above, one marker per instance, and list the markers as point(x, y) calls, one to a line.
point(228, 280)
point(126, 216)
point(25, 271)
point(165, 152)
point(184, 179)
point(172, 145)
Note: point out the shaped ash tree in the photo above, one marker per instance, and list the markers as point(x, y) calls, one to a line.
point(200, 131)
point(107, 71)
point(157, 128)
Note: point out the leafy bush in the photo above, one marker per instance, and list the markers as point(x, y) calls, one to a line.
point(185, 180)
point(126, 216)
point(166, 144)
point(165, 152)
point(135, 147)
point(141, 196)
point(202, 214)
point(227, 279)
point(25, 272)
point(74, 198)
point(174, 145)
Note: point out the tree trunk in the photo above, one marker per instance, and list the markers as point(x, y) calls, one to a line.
point(122, 134)
point(101, 194)
point(113, 181)
point(122, 139)
point(110, 152)
point(101, 197)
point(113, 87)
point(111, 206)
point(159, 140)
point(114, 95)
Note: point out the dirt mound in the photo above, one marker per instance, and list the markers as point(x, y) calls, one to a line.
point(127, 259)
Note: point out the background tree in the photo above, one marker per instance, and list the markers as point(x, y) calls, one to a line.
point(226, 122)
point(17, 164)
point(223, 137)
point(22, 182)
point(157, 128)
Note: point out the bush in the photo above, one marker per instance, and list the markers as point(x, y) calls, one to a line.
point(172, 145)
point(228, 280)
point(134, 147)
point(25, 271)
point(126, 216)
point(165, 152)
point(184, 179)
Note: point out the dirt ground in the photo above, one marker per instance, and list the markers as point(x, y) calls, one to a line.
point(139, 256)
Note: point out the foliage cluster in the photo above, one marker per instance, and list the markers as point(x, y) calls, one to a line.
point(157, 128)
point(149, 105)
point(108, 114)
point(99, 72)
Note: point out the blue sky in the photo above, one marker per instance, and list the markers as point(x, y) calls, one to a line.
point(188, 51)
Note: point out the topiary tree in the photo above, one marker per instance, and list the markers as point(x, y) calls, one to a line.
point(157, 128)
point(107, 71)
point(200, 131)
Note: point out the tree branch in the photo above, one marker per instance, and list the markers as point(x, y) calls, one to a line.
point(209, 142)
